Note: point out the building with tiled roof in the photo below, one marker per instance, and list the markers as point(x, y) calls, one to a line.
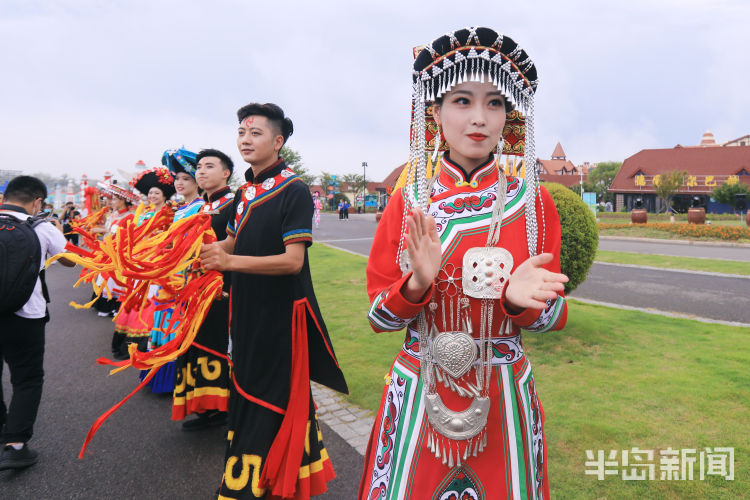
point(392, 178)
point(740, 141)
point(558, 164)
point(561, 170)
point(708, 166)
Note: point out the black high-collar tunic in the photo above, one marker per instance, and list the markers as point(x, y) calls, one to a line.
point(279, 214)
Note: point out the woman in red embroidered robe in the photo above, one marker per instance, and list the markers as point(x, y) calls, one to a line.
point(407, 457)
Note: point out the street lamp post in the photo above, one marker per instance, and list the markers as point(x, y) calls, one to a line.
point(580, 171)
point(364, 187)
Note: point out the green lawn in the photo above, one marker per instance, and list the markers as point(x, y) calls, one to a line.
point(670, 262)
point(612, 380)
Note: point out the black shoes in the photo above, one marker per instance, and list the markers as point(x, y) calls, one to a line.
point(17, 459)
point(121, 356)
point(205, 420)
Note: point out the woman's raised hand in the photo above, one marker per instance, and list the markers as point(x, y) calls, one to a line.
point(423, 245)
point(530, 285)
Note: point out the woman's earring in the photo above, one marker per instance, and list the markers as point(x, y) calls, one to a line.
point(437, 145)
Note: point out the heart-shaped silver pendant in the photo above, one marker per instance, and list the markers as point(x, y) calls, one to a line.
point(454, 352)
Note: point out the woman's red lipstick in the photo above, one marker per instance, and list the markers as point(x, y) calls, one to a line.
point(477, 137)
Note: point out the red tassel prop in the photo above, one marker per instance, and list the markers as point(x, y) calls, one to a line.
point(282, 465)
point(158, 252)
point(92, 220)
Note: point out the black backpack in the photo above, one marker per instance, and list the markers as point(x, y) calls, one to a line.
point(20, 259)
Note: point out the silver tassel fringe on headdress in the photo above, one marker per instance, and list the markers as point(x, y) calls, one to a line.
point(479, 55)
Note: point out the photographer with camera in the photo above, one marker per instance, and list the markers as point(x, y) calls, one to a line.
point(25, 242)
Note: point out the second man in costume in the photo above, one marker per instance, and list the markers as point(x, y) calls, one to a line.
point(202, 384)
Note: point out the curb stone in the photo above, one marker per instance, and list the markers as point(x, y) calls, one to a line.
point(349, 421)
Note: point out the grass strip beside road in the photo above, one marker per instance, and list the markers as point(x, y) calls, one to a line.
point(672, 262)
point(611, 380)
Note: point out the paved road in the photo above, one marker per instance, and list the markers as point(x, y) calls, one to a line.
point(686, 293)
point(680, 249)
point(139, 452)
point(354, 234)
point(721, 298)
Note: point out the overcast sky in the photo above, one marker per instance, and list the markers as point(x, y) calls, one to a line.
point(87, 86)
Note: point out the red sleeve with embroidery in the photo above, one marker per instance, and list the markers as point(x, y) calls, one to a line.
point(555, 315)
point(389, 309)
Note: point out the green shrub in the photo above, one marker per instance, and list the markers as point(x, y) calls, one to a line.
point(725, 193)
point(580, 234)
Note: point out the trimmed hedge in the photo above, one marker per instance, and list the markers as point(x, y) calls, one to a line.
point(690, 230)
point(664, 217)
point(580, 234)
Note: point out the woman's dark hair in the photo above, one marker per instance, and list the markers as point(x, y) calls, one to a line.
point(272, 112)
point(225, 160)
point(25, 189)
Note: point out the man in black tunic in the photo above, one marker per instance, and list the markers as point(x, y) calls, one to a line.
point(203, 377)
point(279, 341)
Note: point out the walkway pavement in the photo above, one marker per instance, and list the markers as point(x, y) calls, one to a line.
point(350, 422)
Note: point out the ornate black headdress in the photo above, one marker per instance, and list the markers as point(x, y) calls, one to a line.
point(159, 177)
point(482, 55)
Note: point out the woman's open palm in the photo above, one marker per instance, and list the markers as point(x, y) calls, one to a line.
point(530, 285)
point(423, 245)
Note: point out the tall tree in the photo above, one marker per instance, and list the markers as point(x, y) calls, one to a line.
point(600, 178)
point(356, 181)
point(293, 160)
point(667, 184)
point(291, 157)
point(326, 179)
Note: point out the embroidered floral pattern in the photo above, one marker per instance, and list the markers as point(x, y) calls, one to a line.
point(384, 459)
point(468, 203)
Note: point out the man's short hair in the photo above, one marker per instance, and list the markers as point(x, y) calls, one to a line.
point(226, 161)
point(272, 112)
point(25, 189)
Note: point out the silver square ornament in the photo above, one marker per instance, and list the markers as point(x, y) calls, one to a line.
point(485, 272)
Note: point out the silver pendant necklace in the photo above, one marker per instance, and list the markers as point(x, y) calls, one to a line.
point(449, 355)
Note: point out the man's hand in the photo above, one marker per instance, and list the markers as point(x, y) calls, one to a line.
point(531, 285)
point(56, 223)
point(214, 258)
point(425, 254)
